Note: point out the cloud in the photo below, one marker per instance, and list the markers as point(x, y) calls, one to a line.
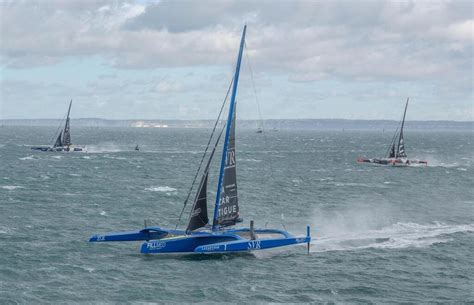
point(302, 41)
point(306, 39)
point(167, 87)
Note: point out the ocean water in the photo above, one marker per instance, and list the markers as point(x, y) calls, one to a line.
point(380, 234)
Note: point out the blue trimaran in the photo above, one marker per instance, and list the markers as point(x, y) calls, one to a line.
point(218, 238)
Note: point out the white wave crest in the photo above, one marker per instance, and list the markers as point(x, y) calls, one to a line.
point(398, 235)
point(160, 189)
point(11, 187)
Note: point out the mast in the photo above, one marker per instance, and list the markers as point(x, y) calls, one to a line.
point(230, 120)
point(401, 145)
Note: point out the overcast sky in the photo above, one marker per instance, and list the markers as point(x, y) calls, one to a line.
point(174, 59)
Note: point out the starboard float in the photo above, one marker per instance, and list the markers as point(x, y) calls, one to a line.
point(199, 236)
point(63, 140)
point(396, 155)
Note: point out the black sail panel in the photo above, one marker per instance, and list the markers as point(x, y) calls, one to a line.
point(392, 151)
point(67, 134)
point(58, 142)
point(229, 207)
point(199, 216)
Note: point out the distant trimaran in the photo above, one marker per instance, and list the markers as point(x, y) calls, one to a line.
point(396, 155)
point(63, 140)
point(217, 238)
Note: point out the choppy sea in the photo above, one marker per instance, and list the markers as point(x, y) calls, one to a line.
point(380, 234)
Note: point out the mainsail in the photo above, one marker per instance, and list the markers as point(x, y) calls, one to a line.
point(226, 210)
point(401, 145)
point(229, 207)
point(66, 132)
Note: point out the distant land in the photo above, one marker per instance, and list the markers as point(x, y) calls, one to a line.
point(327, 124)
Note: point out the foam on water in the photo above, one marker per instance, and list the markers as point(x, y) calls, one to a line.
point(398, 235)
point(30, 157)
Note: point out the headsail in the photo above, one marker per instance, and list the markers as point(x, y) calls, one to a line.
point(67, 132)
point(401, 145)
point(391, 154)
point(199, 216)
point(229, 207)
point(229, 220)
point(59, 141)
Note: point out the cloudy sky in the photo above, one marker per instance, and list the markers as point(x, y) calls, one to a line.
point(174, 59)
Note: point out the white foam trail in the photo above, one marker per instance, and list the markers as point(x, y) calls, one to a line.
point(160, 189)
point(399, 235)
point(434, 162)
point(31, 157)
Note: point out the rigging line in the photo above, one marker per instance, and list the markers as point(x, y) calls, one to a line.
point(272, 172)
point(204, 155)
point(258, 109)
point(206, 171)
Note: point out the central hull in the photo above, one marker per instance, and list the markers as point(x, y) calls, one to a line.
point(61, 148)
point(163, 241)
point(392, 161)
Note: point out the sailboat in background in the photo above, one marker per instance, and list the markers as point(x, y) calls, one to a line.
point(200, 236)
point(396, 154)
point(63, 140)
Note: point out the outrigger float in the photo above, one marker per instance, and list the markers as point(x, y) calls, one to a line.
point(63, 140)
point(396, 155)
point(199, 236)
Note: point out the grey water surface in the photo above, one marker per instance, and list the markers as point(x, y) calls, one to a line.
point(380, 234)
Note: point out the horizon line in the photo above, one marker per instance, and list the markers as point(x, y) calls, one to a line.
point(271, 119)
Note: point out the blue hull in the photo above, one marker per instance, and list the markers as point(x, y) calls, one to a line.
point(163, 241)
point(145, 234)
